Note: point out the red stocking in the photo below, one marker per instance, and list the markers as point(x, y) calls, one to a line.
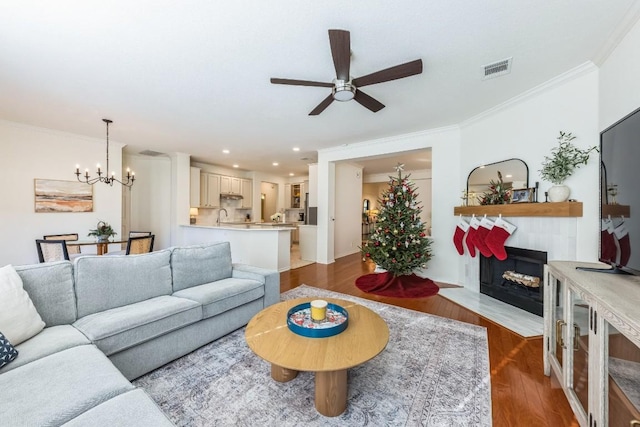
point(471, 235)
point(608, 249)
point(483, 231)
point(497, 236)
point(461, 229)
point(622, 234)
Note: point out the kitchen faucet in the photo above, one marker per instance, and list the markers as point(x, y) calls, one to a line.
point(225, 214)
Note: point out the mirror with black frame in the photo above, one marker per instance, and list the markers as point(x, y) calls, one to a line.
point(514, 172)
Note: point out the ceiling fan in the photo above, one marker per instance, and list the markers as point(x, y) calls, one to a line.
point(343, 87)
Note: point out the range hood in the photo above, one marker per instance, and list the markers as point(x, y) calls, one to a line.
point(231, 196)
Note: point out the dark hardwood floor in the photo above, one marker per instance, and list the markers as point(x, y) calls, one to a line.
point(521, 394)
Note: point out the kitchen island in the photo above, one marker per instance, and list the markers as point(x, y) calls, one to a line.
point(265, 245)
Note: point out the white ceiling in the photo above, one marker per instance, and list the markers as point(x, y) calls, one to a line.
point(193, 76)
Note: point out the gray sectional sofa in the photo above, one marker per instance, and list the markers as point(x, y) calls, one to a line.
point(112, 319)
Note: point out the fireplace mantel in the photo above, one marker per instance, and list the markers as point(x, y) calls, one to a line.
point(559, 209)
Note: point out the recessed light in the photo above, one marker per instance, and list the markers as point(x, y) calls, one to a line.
point(509, 176)
point(296, 148)
point(225, 151)
point(291, 174)
point(235, 166)
point(275, 163)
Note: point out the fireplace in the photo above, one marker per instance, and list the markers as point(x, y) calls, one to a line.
point(517, 280)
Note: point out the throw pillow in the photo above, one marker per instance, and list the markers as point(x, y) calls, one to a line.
point(19, 319)
point(7, 352)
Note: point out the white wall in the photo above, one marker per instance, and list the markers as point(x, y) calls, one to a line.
point(446, 185)
point(27, 153)
point(620, 80)
point(527, 128)
point(348, 209)
point(151, 198)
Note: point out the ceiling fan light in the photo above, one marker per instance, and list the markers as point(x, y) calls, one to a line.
point(343, 91)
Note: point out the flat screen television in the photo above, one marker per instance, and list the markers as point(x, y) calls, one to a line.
point(620, 195)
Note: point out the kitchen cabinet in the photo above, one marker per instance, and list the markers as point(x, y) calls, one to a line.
point(296, 196)
point(209, 190)
point(246, 189)
point(230, 185)
point(194, 188)
point(592, 342)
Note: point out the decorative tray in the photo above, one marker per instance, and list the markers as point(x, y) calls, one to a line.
point(299, 321)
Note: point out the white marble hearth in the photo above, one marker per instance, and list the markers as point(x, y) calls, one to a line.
point(519, 321)
point(554, 235)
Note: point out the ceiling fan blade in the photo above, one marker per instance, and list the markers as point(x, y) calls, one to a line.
point(324, 104)
point(368, 102)
point(388, 74)
point(340, 41)
point(299, 82)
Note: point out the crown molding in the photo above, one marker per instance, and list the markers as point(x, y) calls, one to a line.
point(59, 133)
point(630, 19)
point(390, 139)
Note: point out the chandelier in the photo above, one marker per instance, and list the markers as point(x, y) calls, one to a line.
point(131, 176)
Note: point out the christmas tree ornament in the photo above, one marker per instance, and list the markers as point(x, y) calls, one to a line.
point(499, 234)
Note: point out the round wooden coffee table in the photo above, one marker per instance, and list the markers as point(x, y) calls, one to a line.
point(268, 335)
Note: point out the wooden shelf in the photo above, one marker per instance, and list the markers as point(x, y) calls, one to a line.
point(561, 209)
point(616, 210)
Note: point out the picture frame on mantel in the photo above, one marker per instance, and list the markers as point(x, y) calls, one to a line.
point(522, 195)
point(55, 196)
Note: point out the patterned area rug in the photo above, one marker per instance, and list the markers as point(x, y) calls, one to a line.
point(434, 372)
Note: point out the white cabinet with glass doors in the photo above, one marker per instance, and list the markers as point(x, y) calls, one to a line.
point(592, 342)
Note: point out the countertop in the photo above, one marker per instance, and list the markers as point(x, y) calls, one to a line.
point(244, 226)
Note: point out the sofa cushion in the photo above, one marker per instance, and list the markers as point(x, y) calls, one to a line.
point(50, 287)
point(57, 388)
point(200, 264)
point(19, 319)
point(103, 282)
point(223, 295)
point(131, 408)
point(123, 327)
point(7, 352)
point(270, 278)
point(50, 340)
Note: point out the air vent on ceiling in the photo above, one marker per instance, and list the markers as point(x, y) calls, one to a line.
point(497, 69)
point(151, 153)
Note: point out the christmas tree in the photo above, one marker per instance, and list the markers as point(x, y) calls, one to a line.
point(399, 243)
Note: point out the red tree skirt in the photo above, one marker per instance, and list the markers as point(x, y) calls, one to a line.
point(388, 285)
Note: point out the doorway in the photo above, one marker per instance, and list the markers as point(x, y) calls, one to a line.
point(268, 200)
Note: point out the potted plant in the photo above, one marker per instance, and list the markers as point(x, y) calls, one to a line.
point(560, 165)
point(102, 231)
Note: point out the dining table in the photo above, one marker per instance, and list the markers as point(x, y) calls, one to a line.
point(101, 247)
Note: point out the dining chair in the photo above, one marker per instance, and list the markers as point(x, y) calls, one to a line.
point(139, 233)
point(52, 250)
point(140, 245)
point(72, 250)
